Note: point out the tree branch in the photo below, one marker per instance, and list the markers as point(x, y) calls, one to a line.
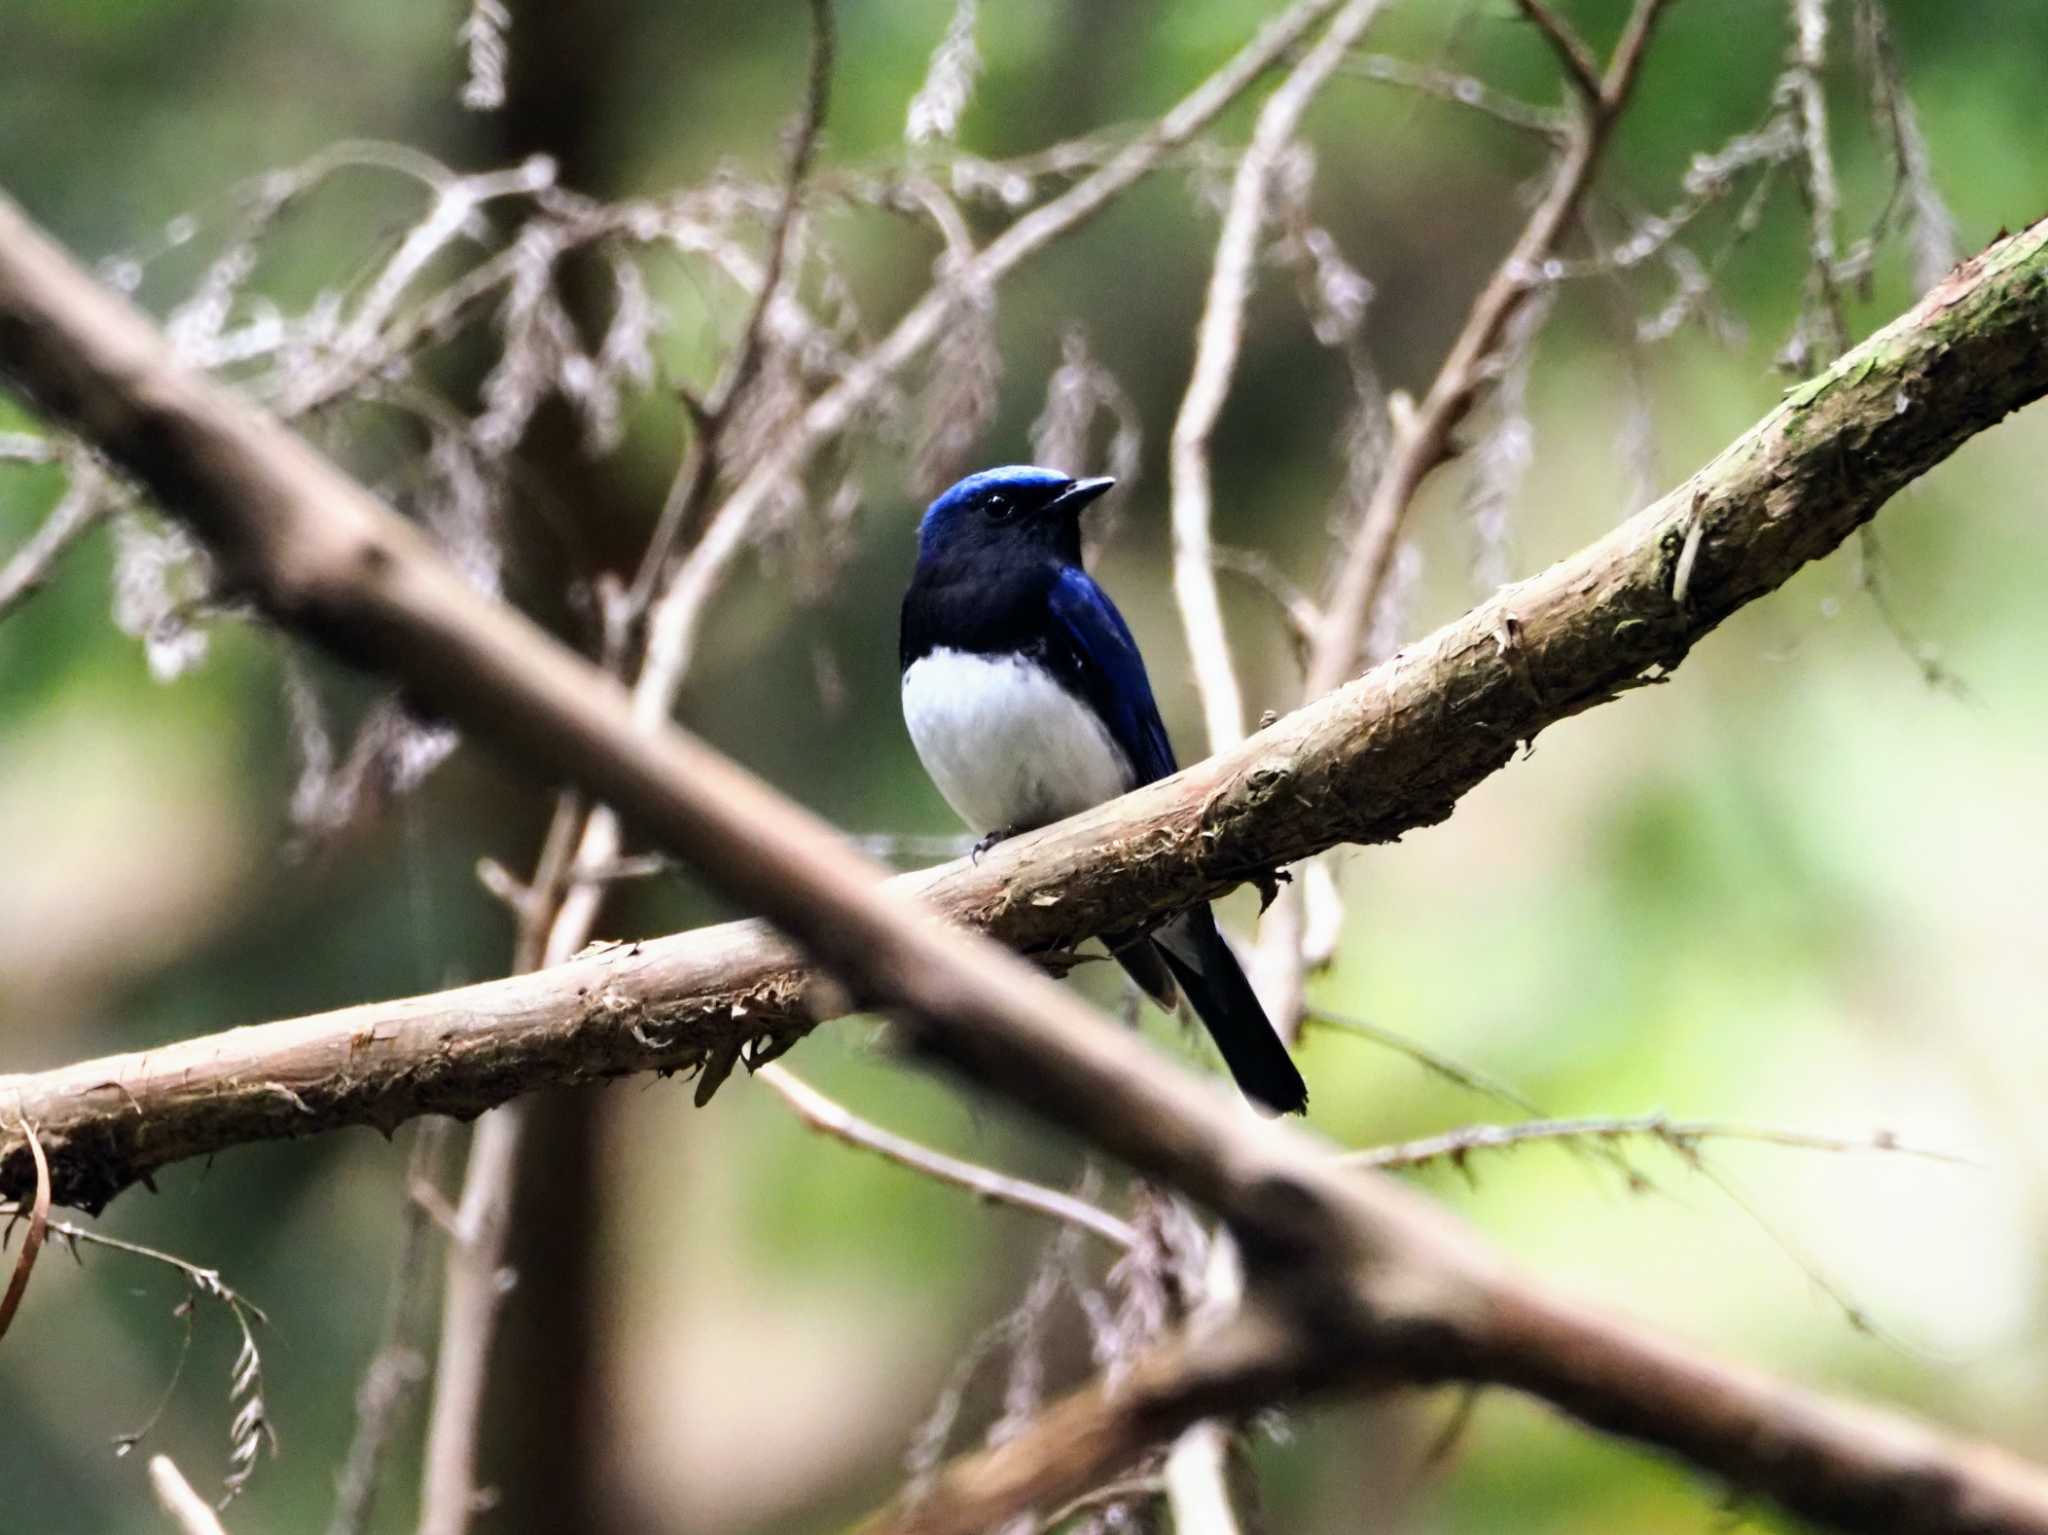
point(1502, 315)
point(399, 1363)
point(710, 417)
point(842, 1124)
point(1197, 1480)
point(1682, 1136)
point(83, 506)
point(474, 1292)
point(1350, 1280)
point(560, 909)
point(1853, 1467)
point(1218, 339)
point(1422, 440)
point(1390, 752)
point(1576, 59)
point(1823, 327)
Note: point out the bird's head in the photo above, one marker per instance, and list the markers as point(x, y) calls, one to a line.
point(1015, 507)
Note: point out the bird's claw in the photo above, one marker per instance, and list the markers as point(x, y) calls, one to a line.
point(1000, 834)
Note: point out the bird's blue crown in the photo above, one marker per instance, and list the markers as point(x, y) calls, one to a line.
point(1027, 482)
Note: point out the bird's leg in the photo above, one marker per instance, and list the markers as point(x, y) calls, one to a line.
point(1000, 834)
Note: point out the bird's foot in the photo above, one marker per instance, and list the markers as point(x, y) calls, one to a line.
point(1000, 834)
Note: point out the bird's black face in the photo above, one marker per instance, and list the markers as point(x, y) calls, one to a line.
point(1014, 509)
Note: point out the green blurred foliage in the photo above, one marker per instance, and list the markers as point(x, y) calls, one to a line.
point(1796, 886)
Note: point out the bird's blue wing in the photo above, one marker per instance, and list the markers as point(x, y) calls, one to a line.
point(1092, 652)
point(1089, 647)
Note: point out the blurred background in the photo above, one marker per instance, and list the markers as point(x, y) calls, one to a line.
point(1800, 887)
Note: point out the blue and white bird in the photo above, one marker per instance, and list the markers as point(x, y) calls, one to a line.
point(1027, 701)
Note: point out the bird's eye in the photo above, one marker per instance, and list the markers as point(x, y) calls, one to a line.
point(1000, 508)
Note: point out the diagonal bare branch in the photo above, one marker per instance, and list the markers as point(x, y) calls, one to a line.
point(1390, 752)
point(1853, 1468)
point(836, 1120)
point(83, 506)
point(1351, 1281)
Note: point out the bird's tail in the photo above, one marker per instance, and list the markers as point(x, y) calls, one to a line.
point(1142, 960)
point(1223, 999)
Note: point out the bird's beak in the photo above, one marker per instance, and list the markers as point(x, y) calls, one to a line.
point(1077, 495)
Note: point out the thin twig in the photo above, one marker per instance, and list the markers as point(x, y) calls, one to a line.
point(1627, 62)
point(699, 470)
point(1461, 90)
point(677, 620)
point(399, 1364)
point(1580, 67)
point(1823, 328)
point(1924, 654)
point(478, 1227)
point(1457, 1073)
point(834, 1119)
point(1852, 1311)
point(561, 908)
point(1129, 1489)
point(1297, 609)
point(1197, 1476)
point(1276, 970)
point(476, 1287)
point(653, 592)
point(1470, 1078)
point(1218, 340)
point(1197, 1472)
point(174, 1495)
point(1681, 1135)
point(1423, 439)
point(206, 1280)
point(32, 1242)
point(251, 1429)
point(599, 841)
point(83, 506)
point(1710, 178)
point(553, 871)
point(1914, 199)
point(1422, 436)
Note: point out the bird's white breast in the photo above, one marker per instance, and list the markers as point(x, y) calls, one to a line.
point(1007, 746)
